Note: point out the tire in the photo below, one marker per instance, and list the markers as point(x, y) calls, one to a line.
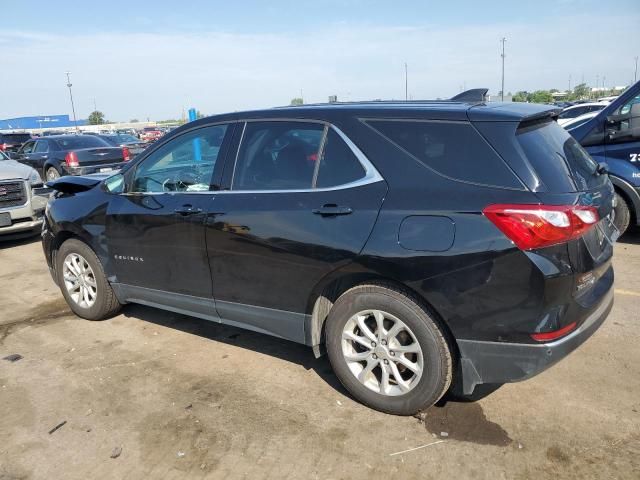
point(621, 214)
point(102, 302)
point(366, 303)
point(51, 173)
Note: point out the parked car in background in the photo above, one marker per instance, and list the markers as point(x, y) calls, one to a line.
point(151, 134)
point(608, 99)
point(11, 142)
point(574, 111)
point(612, 137)
point(56, 156)
point(574, 122)
point(133, 144)
point(22, 199)
point(423, 243)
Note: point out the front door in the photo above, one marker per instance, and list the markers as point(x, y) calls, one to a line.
point(155, 228)
point(623, 138)
point(302, 203)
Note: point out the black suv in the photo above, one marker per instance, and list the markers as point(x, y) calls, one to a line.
point(428, 246)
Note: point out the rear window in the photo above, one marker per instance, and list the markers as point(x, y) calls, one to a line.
point(454, 150)
point(558, 159)
point(81, 141)
point(15, 137)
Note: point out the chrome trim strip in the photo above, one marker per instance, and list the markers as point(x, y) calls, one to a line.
point(371, 174)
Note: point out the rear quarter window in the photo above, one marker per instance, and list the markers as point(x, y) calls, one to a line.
point(452, 149)
point(558, 160)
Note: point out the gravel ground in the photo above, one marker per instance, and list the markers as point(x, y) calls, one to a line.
point(171, 396)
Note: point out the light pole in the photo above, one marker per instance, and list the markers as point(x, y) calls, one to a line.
point(635, 75)
point(73, 108)
point(406, 82)
point(503, 39)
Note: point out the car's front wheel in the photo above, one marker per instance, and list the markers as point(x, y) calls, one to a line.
point(83, 282)
point(387, 350)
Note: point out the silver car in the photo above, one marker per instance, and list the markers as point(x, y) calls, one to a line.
point(22, 199)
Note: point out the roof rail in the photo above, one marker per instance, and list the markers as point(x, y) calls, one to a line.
point(473, 95)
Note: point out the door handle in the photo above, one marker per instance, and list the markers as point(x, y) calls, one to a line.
point(331, 210)
point(185, 210)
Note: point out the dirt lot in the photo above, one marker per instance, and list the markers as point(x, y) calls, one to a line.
point(179, 397)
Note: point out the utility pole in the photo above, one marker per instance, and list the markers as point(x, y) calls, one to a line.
point(95, 108)
point(569, 82)
point(73, 108)
point(406, 82)
point(635, 75)
point(503, 39)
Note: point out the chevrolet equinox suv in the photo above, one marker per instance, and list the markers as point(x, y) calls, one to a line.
point(427, 246)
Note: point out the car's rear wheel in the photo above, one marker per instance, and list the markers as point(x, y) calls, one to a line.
point(387, 350)
point(621, 214)
point(51, 174)
point(83, 282)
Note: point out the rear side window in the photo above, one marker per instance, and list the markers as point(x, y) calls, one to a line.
point(338, 165)
point(454, 150)
point(278, 156)
point(558, 159)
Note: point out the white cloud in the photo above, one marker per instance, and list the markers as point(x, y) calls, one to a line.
point(155, 75)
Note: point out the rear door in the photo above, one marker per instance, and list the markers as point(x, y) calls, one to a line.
point(302, 201)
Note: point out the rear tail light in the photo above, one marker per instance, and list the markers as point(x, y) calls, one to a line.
point(537, 226)
point(126, 154)
point(549, 336)
point(71, 159)
point(3, 146)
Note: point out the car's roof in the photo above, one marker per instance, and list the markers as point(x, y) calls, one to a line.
point(426, 109)
point(587, 104)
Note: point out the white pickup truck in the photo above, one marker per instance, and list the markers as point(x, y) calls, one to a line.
point(22, 199)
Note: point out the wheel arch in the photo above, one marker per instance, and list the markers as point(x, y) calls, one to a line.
point(630, 195)
point(329, 289)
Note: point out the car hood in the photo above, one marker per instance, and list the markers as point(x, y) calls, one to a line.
point(10, 170)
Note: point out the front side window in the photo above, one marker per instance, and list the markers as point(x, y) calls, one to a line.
point(278, 156)
point(27, 147)
point(185, 164)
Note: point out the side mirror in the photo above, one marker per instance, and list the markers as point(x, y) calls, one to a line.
point(114, 184)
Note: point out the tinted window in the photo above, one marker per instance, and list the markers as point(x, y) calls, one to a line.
point(81, 141)
point(41, 146)
point(185, 164)
point(558, 160)
point(277, 156)
point(15, 137)
point(454, 150)
point(338, 164)
point(124, 138)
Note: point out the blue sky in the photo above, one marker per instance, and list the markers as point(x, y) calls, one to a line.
point(152, 58)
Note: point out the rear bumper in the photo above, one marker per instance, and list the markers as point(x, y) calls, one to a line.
point(88, 169)
point(496, 362)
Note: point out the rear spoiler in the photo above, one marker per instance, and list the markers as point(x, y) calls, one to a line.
point(473, 95)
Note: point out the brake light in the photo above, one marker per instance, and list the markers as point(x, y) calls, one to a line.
point(71, 159)
point(3, 146)
point(548, 336)
point(537, 226)
point(126, 154)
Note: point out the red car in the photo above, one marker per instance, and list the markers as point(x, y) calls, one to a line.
point(151, 134)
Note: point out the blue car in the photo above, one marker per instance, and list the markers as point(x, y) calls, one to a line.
point(613, 137)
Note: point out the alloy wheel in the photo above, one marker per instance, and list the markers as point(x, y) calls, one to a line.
point(382, 352)
point(79, 280)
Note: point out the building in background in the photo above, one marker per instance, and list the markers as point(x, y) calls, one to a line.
point(39, 121)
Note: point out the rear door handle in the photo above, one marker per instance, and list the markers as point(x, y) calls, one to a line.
point(331, 210)
point(185, 210)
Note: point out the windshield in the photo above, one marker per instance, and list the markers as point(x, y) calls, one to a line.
point(558, 159)
point(3, 156)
